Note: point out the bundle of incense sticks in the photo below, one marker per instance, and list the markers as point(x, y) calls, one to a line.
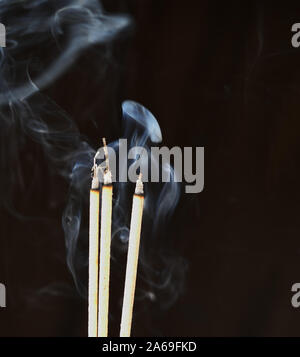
point(99, 253)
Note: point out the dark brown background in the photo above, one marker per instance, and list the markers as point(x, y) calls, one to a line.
point(217, 74)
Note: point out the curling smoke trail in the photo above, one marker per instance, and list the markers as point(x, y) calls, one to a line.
point(165, 281)
point(64, 29)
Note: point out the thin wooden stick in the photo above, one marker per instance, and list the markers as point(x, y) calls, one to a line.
point(105, 242)
point(93, 256)
point(132, 259)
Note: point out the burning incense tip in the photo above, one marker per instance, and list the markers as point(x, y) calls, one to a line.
point(95, 175)
point(107, 176)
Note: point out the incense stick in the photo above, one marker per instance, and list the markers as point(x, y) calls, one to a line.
point(93, 255)
point(132, 259)
point(105, 242)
